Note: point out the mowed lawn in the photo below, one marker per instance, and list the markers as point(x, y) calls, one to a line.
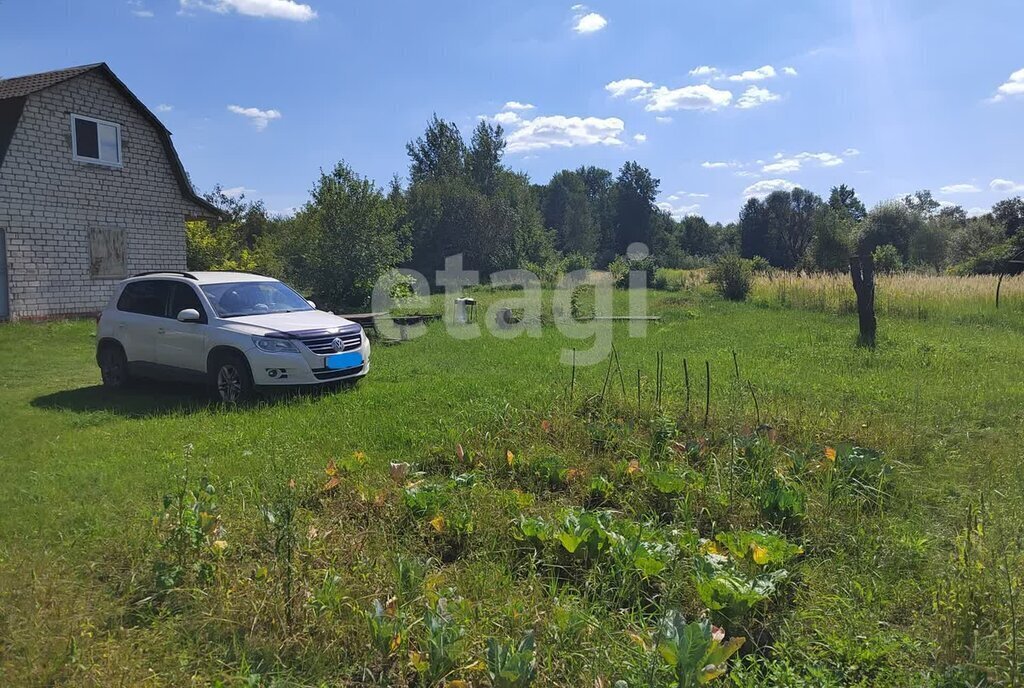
point(83, 471)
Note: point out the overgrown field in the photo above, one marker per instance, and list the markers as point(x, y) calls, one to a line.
point(476, 513)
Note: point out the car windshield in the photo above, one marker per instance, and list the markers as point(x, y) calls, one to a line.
point(235, 299)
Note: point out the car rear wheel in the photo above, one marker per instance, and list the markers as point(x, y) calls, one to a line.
point(232, 380)
point(114, 367)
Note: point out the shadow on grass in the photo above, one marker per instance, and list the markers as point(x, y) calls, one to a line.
point(135, 402)
point(145, 400)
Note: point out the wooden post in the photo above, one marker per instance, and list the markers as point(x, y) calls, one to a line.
point(862, 270)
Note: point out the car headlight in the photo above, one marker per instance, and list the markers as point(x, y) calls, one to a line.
point(274, 345)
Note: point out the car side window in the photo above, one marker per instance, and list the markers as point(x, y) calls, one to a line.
point(146, 297)
point(185, 296)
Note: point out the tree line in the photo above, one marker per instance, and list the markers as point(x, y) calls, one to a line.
point(462, 198)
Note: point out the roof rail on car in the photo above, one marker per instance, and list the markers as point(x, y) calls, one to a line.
point(186, 275)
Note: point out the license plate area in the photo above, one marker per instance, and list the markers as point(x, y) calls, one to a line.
point(349, 359)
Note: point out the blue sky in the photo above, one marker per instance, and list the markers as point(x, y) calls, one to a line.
point(720, 100)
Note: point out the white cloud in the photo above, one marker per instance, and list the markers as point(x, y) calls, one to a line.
point(783, 164)
point(687, 194)
point(505, 118)
point(139, 9)
point(589, 23)
point(236, 191)
point(746, 173)
point(640, 138)
point(699, 97)
point(1005, 186)
point(679, 211)
point(1014, 86)
point(164, 107)
point(959, 189)
point(766, 186)
point(663, 120)
point(558, 131)
point(754, 97)
point(260, 118)
point(271, 9)
point(704, 71)
point(789, 71)
point(759, 74)
point(625, 86)
point(976, 212)
point(718, 165)
point(516, 105)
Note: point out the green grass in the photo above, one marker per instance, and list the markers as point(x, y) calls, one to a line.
point(85, 472)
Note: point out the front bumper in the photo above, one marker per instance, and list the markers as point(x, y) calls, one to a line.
point(301, 368)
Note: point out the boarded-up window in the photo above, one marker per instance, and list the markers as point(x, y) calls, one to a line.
point(108, 254)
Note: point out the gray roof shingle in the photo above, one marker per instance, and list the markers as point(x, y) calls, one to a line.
point(19, 86)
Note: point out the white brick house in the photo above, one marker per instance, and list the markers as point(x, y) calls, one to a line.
point(91, 191)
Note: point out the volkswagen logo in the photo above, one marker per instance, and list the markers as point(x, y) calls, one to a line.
point(337, 344)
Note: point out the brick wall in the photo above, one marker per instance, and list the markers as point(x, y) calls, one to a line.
point(48, 202)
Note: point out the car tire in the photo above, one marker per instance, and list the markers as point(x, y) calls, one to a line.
point(114, 367)
point(231, 379)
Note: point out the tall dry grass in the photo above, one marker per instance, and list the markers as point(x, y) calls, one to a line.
point(969, 299)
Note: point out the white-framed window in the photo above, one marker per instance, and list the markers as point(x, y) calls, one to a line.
point(94, 140)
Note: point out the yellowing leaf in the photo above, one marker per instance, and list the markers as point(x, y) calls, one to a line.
point(220, 545)
point(396, 642)
point(830, 454)
point(331, 483)
point(458, 683)
point(460, 453)
point(438, 523)
point(332, 468)
point(510, 457)
point(634, 467)
point(760, 553)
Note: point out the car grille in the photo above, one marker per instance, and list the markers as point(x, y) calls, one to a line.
point(324, 344)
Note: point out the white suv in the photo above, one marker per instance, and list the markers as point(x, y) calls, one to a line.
point(232, 330)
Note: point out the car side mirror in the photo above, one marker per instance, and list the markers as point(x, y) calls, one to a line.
point(311, 304)
point(189, 315)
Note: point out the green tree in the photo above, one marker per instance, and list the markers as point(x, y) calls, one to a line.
point(484, 156)
point(929, 245)
point(1010, 214)
point(439, 154)
point(830, 250)
point(844, 199)
point(892, 223)
point(635, 191)
point(568, 209)
point(922, 202)
point(343, 239)
point(887, 259)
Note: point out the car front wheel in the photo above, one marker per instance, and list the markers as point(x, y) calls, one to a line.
point(232, 380)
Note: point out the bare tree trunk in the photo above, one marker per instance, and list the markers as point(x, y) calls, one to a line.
point(862, 270)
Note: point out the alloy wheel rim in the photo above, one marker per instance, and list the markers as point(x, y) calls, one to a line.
point(229, 383)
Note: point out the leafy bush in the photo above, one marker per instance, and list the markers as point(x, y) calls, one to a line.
point(887, 259)
point(623, 265)
point(732, 276)
point(695, 651)
point(511, 666)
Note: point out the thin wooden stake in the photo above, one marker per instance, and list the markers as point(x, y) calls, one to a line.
point(735, 364)
point(707, 392)
point(607, 375)
point(618, 367)
point(686, 376)
point(572, 381)
point(757, 408)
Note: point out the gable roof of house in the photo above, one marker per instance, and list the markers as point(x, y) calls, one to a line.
point(15, 91)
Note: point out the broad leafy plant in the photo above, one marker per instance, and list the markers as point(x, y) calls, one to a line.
point(511, 666)
point(697, 652)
